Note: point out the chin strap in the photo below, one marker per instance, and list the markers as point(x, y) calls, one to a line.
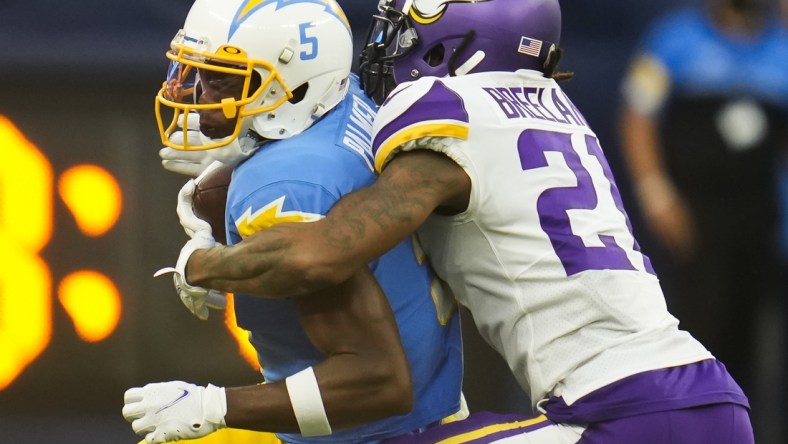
point(237, 150)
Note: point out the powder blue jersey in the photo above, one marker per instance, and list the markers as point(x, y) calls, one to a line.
point(749, 68)
point(298, 180)
point(755, 67)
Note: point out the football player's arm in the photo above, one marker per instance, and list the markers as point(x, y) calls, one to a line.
point(291, 259)
point(365, 375)
point(646, 90)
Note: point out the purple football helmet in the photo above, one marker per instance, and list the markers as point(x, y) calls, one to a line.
point(409, 39)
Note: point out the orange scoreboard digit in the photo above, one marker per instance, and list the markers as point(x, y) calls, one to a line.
point(91, 300)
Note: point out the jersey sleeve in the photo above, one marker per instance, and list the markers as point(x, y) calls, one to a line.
point(648, 84)
point(280, 202)
point(424, 114)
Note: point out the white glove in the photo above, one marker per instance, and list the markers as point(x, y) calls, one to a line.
point(197, 299)
point(189, 163)
point(175, 410)
point(185, 208)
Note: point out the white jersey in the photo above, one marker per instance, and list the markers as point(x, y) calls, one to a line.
point(544, 256)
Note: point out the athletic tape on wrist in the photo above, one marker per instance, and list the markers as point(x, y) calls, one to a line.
point(307, 403)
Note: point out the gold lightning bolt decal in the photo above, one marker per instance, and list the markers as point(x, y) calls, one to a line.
point(270, 215)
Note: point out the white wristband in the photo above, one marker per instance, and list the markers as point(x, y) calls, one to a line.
point(307, 403)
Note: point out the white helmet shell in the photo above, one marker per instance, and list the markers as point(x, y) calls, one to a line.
point(304, 46)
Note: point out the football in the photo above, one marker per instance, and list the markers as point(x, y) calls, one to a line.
point(210, 199)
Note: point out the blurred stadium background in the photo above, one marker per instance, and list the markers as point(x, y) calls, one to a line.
point(87, 215)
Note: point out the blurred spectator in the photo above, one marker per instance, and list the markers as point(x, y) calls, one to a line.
point(783, 188)
point(704, 121)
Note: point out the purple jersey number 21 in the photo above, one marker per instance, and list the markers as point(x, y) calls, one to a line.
point(553, 203)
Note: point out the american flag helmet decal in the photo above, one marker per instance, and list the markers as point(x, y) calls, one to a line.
point(530, 46)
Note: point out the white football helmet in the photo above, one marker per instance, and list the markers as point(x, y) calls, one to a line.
point(288, 61)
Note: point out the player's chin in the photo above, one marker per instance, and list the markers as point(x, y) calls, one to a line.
point(215, 126)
